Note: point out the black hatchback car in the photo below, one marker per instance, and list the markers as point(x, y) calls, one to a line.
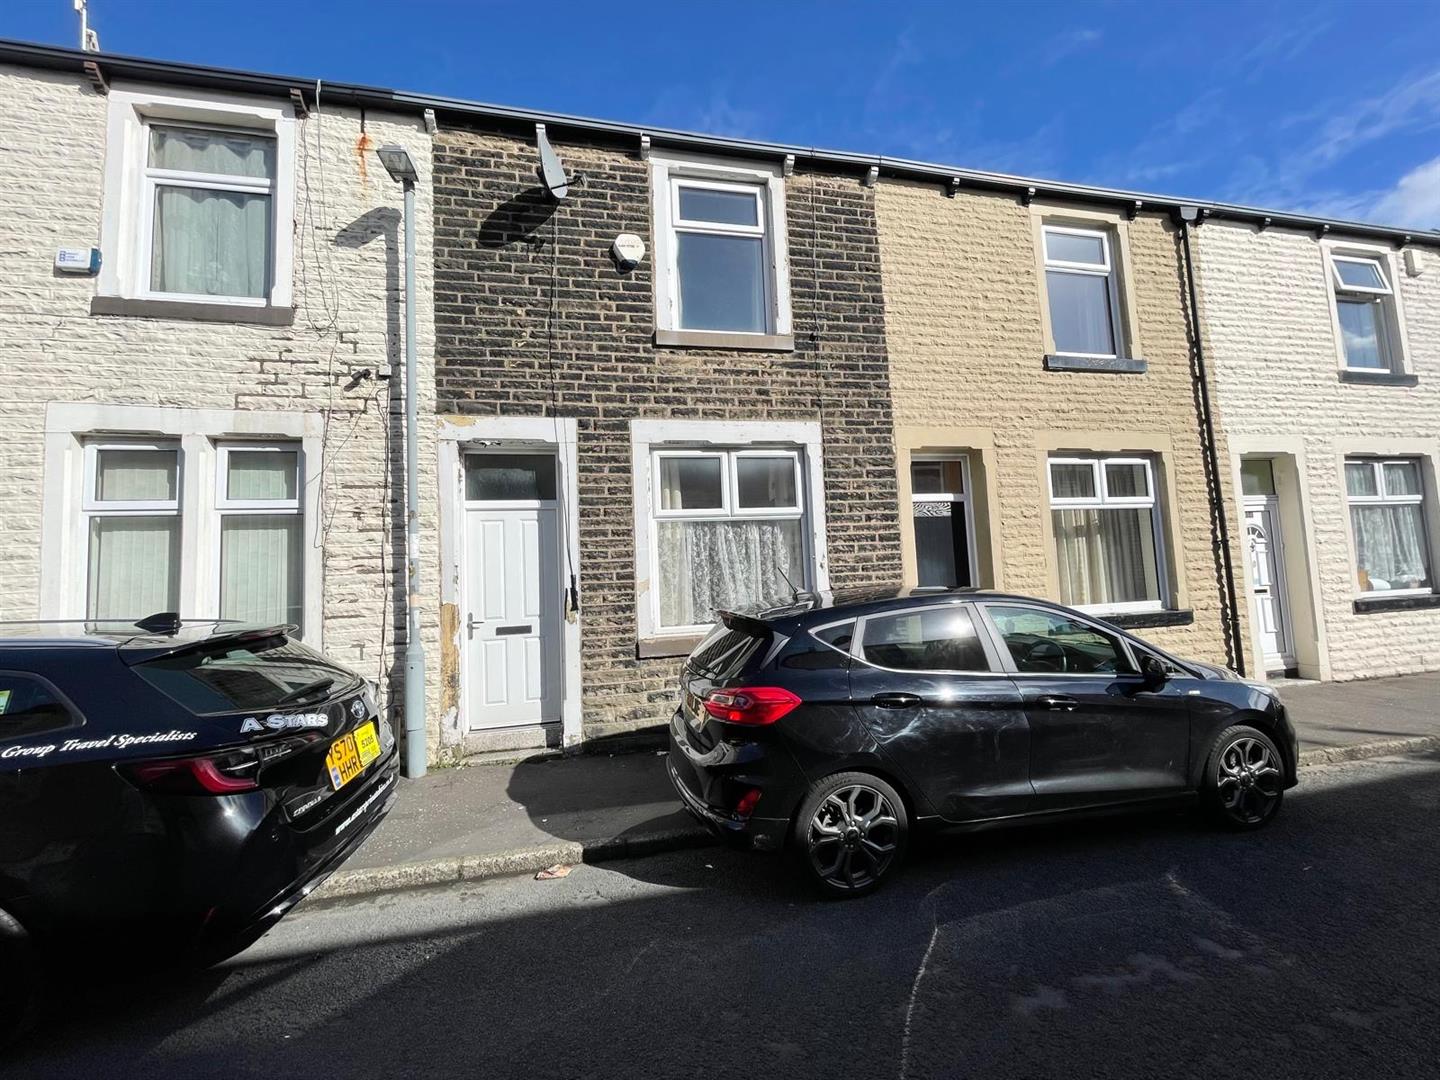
point(835, 725)
point(169, 791)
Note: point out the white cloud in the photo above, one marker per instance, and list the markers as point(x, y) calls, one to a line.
point(1414, 200)
point(1067, 44)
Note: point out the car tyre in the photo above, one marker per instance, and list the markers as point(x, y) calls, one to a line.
point(20, 991)
point(1244, 782)
point(850, 834)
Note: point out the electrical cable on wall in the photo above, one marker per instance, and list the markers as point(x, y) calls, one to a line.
point(572, 596)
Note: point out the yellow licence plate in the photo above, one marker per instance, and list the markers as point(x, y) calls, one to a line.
point(350, 753)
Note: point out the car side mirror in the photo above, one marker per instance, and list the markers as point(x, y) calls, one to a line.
point(1153, 671)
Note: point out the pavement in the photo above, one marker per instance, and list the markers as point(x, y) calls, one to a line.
point(473, 822)
point(1127, 948)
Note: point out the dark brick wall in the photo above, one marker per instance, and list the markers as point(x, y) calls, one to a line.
point(498, 239)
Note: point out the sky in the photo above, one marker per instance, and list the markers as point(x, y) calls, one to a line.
point(1327, 107)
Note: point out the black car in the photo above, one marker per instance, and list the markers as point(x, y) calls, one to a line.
point(169, 791)
point(835, 725)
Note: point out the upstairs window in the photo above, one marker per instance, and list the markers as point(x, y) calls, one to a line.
point(720, 251)
point(1081, 291)
point(199, 206)
point(1107, 533)
point(1365, 311)
point(209, 194)
point(1387, 517)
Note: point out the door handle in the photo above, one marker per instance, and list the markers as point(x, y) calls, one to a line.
point(1062, 702)
point(895, 701)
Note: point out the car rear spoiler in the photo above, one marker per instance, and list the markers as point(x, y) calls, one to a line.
point(236, 632)
point(746, 623)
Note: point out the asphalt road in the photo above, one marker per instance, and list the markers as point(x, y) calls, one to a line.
point(1125, 948)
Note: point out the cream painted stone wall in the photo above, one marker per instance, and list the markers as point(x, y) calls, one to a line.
point(966, 337)
point(1268, 317)
point(348, 281)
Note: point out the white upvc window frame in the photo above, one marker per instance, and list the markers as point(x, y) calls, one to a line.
point(672, 172)
point(1382, 497)
point(1108, 271)
point(952, 497)
point(127, 221)
point(654, 440)
point(202, 439)
point(1390, 319)
point(1103, 500)
point(92, 507)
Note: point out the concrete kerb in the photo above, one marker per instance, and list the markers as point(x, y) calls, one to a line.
point(382, 879)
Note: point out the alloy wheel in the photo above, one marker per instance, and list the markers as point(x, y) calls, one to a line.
point(1249, 782)
point(853, 837)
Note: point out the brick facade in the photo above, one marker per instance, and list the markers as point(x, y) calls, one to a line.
point(1266, 302)
point(964, 321)
point(497, 243)
point(347, 294)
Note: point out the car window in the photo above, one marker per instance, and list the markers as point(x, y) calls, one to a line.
point(825, 648)
point(29, 707)
point(725, 651)
point(837, 636)
point(234, 675)
point(1048, 642)
point(933, 639)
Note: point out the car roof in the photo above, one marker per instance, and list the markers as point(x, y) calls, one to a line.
point(112, 633)
point(805, 607)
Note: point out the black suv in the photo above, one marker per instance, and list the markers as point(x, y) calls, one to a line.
point(169, 791)
point(836, 724)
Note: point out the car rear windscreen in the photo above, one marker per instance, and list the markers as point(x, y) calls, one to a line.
point(238, 675)
point(725, 652)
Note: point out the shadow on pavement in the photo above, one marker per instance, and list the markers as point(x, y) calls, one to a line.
point(1122, 947)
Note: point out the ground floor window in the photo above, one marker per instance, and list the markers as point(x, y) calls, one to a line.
point(944, 529)
point(238, 537)
point(1108, 547)
point(729, 528)
point(1387, 517)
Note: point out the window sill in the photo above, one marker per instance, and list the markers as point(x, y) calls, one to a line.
point(662, 648)
point(714, 339)
point(1366, 605)
point(1379, 378)
point(1118, 365)
point(191, 312)
point(1139, 620)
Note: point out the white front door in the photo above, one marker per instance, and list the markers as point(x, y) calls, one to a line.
point(513, 652)
point(1267, 580)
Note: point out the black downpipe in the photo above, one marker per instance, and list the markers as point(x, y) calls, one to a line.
point(1185, 217)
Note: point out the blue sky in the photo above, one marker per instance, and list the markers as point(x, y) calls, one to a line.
point(1330, 107)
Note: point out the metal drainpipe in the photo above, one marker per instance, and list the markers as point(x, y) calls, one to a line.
point(415, 751)
point(1185, 217)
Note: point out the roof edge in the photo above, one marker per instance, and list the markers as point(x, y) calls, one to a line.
point(113, 65)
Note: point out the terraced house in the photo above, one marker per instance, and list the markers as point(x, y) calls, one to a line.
point(198, 326)
point(665, 373)
point(1326, 346)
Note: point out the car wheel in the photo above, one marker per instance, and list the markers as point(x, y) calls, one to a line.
point(19, 981)
point(1244, 783)
point(850, 833)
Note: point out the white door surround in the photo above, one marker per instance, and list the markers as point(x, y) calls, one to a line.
point(533, 545)
point(1265, 565)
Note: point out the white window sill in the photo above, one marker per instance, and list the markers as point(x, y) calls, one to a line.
point(716, 339)
point(660, 647)
point(1378, 377)
point(1121, 365)
point(188, 311)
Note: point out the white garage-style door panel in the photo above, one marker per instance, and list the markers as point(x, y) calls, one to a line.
point(514, 653)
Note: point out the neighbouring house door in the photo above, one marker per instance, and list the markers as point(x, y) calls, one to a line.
point(512, 629)
point(1267, 581)
point(944, 533)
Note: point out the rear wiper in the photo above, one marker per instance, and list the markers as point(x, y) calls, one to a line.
point(319, 686)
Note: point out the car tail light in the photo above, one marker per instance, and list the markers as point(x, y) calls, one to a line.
point(754, 705)
point(224, 774)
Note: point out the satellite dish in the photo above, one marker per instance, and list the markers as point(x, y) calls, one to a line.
point(552, 173)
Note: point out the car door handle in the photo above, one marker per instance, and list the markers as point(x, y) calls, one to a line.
point(1057, 701)
point(895, 701)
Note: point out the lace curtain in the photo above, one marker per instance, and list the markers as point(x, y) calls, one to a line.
point(710, 565)
point(1390, 547)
